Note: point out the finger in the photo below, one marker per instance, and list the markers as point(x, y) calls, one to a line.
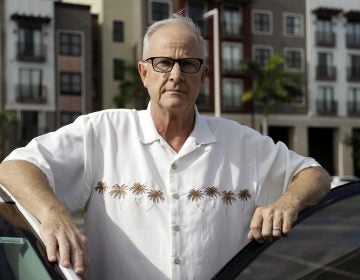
point(64, 250)
point(277, 227)
point(51, 247)
point(255, 226)
point(267, 228)
point(287, 225)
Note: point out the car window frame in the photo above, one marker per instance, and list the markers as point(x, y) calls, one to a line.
point(253, 249)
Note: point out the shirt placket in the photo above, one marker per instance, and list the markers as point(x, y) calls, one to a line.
point(175, 169)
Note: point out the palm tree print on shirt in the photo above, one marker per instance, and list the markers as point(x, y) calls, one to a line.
point(156, 196)
point(138, 190)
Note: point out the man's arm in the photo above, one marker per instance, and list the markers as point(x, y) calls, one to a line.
point(274, 220)
point(30, 187)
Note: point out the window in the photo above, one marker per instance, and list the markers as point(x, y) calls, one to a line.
point(30, 85)
point(231, 57)
point(293, 25)
point(325, 68)
point(30, 42)
point(232, 94)
point(354, 100)
point(70, 83)
point(262, 54)
point(68, 117)
point(118, 69)
point(159, 10)
point(353, 34)
point(334, 257)
point(325, 99)
point(353, 67)
point(324, 33)
point(203, 100)
point(70, 44)
point(293, 59)
point(262, 22)
point(196, 10)
point(232, 21)
point(118, 31)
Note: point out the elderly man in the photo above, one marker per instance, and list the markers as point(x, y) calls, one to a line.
point(168, 193)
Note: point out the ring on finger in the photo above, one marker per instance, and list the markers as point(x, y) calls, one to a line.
point(276, 228)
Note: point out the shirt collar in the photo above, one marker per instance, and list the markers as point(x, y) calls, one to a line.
point(202, 133)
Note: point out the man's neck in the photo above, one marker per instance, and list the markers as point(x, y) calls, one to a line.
point(174, 127)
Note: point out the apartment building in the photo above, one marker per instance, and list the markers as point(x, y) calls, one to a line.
point(73, 62)
point(334, 80)
point(122, 25)
point(29, 65)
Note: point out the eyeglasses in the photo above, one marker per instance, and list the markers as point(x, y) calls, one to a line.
point(166, 64)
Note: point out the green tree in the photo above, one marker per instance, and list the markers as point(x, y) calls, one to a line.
point(132, 93)
point(270, 83)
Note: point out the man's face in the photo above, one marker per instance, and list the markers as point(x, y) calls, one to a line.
point(174, 90)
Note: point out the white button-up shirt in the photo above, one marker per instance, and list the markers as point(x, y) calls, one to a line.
point(151, 212)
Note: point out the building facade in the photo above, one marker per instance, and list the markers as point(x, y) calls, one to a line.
point(73, 51)
point(29, 65)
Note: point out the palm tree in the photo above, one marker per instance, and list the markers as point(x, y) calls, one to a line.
point(270, 83)
point(132, 92)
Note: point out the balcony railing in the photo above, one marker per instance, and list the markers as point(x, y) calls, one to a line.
point(326, 107)
point(325, 39)
point(31, 51)
point(234, 33)
point(327, 73)
point(352, 41)
point(353, 74)
point(231, 66)
point(353, 108)
point(31, 93)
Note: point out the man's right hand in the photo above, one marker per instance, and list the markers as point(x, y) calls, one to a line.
point(64, 242)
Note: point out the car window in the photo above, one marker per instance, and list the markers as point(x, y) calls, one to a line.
point(22, 255)
point(324, 246)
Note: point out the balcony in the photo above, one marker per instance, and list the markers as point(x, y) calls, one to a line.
point(326, 73)
point(326, 107)
point(352, 41)
point(325, 39)
point(353, 108)
point(232, 33)
point(353, 74)
point(231, 67)
point(31, 94)
point(31, 52)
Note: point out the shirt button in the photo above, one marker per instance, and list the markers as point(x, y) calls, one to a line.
point(176, 228)
point(176, 196)
point(177, 260)
point(174, 166)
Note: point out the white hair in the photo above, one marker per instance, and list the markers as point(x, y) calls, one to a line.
point(175, 20)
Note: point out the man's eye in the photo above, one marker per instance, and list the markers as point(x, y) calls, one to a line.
point(164, 63)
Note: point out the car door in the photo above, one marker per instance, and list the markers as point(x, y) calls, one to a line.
point(22, 253)
point(324, 245)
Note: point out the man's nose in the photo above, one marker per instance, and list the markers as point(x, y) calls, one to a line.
point(176, 73)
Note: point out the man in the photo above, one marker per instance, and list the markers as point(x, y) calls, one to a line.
point(169, 193)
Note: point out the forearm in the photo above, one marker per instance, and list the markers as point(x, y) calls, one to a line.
point(28, 184)
point(308, 187)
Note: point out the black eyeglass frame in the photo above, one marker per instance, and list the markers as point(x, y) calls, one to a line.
point(179, 61)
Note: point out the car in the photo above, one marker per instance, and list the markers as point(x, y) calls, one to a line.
point(22, 252)
point(341, 180)
point(324, 244)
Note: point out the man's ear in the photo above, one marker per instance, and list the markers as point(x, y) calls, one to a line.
point(142, 68)
point(204, 73)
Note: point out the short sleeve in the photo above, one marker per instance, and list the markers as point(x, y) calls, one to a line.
point(63, 157)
